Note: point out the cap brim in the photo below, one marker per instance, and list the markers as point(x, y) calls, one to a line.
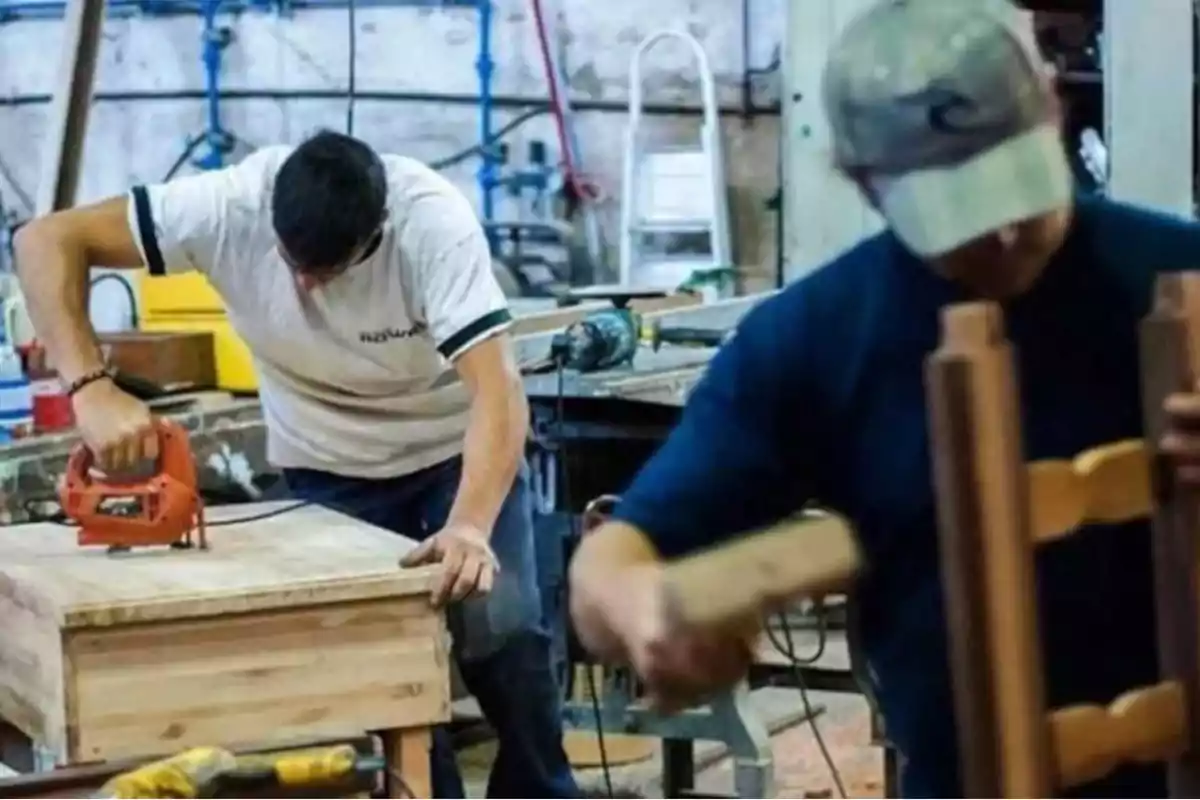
point(934, 211)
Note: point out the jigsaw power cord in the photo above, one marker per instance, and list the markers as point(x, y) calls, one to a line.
point(330, 499)
point(788, 649)
point(560, 414)
point(61, 519)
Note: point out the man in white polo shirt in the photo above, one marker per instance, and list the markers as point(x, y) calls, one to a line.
point(362, 285)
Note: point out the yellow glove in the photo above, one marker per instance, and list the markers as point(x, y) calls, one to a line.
point(192, 773)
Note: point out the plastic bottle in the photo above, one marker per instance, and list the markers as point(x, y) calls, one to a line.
point(16, 396)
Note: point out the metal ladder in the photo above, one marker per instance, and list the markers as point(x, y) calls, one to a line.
point(670, 192)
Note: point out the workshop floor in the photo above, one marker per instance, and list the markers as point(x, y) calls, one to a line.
point(800, 769)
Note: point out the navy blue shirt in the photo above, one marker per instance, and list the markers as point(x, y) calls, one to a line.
point(819, 397)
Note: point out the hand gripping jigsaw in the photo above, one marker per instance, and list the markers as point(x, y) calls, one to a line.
point(163, 509)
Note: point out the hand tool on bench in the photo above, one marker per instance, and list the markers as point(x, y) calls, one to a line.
point(163, 509)
point(215, 772)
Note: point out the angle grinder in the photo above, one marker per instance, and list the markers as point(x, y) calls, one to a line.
point(601, 340)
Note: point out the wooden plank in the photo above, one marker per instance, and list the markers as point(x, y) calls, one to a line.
point(1170, 353)
point(987, 557)
point(265, 676)
point(303, 555)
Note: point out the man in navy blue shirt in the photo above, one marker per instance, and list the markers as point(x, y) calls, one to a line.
point(943, 114)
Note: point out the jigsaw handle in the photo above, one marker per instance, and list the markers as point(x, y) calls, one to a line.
point(167, 501)
point(168, 432)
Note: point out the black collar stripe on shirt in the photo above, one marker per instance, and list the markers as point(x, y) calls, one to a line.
point(372, 247)
point(145, 231)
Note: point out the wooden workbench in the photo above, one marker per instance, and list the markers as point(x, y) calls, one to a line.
point(293, 626)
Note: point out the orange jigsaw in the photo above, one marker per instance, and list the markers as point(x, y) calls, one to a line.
point(164, 509)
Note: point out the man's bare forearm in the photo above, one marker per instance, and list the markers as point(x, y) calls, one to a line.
point(612, 547)
point(492, 453)
point(602, 561)
point(54, 271)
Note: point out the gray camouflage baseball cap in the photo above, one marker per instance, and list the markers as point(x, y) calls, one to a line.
point(945, 107)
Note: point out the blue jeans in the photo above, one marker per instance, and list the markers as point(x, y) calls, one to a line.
point(500, 643)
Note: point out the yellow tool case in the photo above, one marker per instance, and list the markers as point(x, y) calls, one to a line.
point(188, 302)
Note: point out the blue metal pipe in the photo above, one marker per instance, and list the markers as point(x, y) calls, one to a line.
point(20, 10)
point(487, 174)
point(215, 39)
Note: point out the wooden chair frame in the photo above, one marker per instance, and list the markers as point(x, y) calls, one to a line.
point(994, 510)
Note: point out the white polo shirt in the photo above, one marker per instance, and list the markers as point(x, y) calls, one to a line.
point(356, 376)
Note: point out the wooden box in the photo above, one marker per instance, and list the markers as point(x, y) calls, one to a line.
point(174, 361)
point(294, 626)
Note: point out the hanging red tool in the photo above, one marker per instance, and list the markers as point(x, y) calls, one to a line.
point(583, 190)
point(164, 509)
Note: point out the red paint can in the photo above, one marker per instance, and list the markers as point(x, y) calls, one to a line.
point(51, 404)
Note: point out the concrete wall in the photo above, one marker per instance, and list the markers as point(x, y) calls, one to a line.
point(418, 50)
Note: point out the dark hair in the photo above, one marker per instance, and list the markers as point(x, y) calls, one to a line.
point(330, 196)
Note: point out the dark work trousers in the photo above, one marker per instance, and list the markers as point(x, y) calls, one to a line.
point(500, 642)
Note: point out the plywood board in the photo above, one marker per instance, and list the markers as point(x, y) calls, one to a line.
point(301, 555)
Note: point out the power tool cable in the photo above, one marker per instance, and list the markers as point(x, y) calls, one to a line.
point(788, 649)
point(320, 498)
point(560, 443)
